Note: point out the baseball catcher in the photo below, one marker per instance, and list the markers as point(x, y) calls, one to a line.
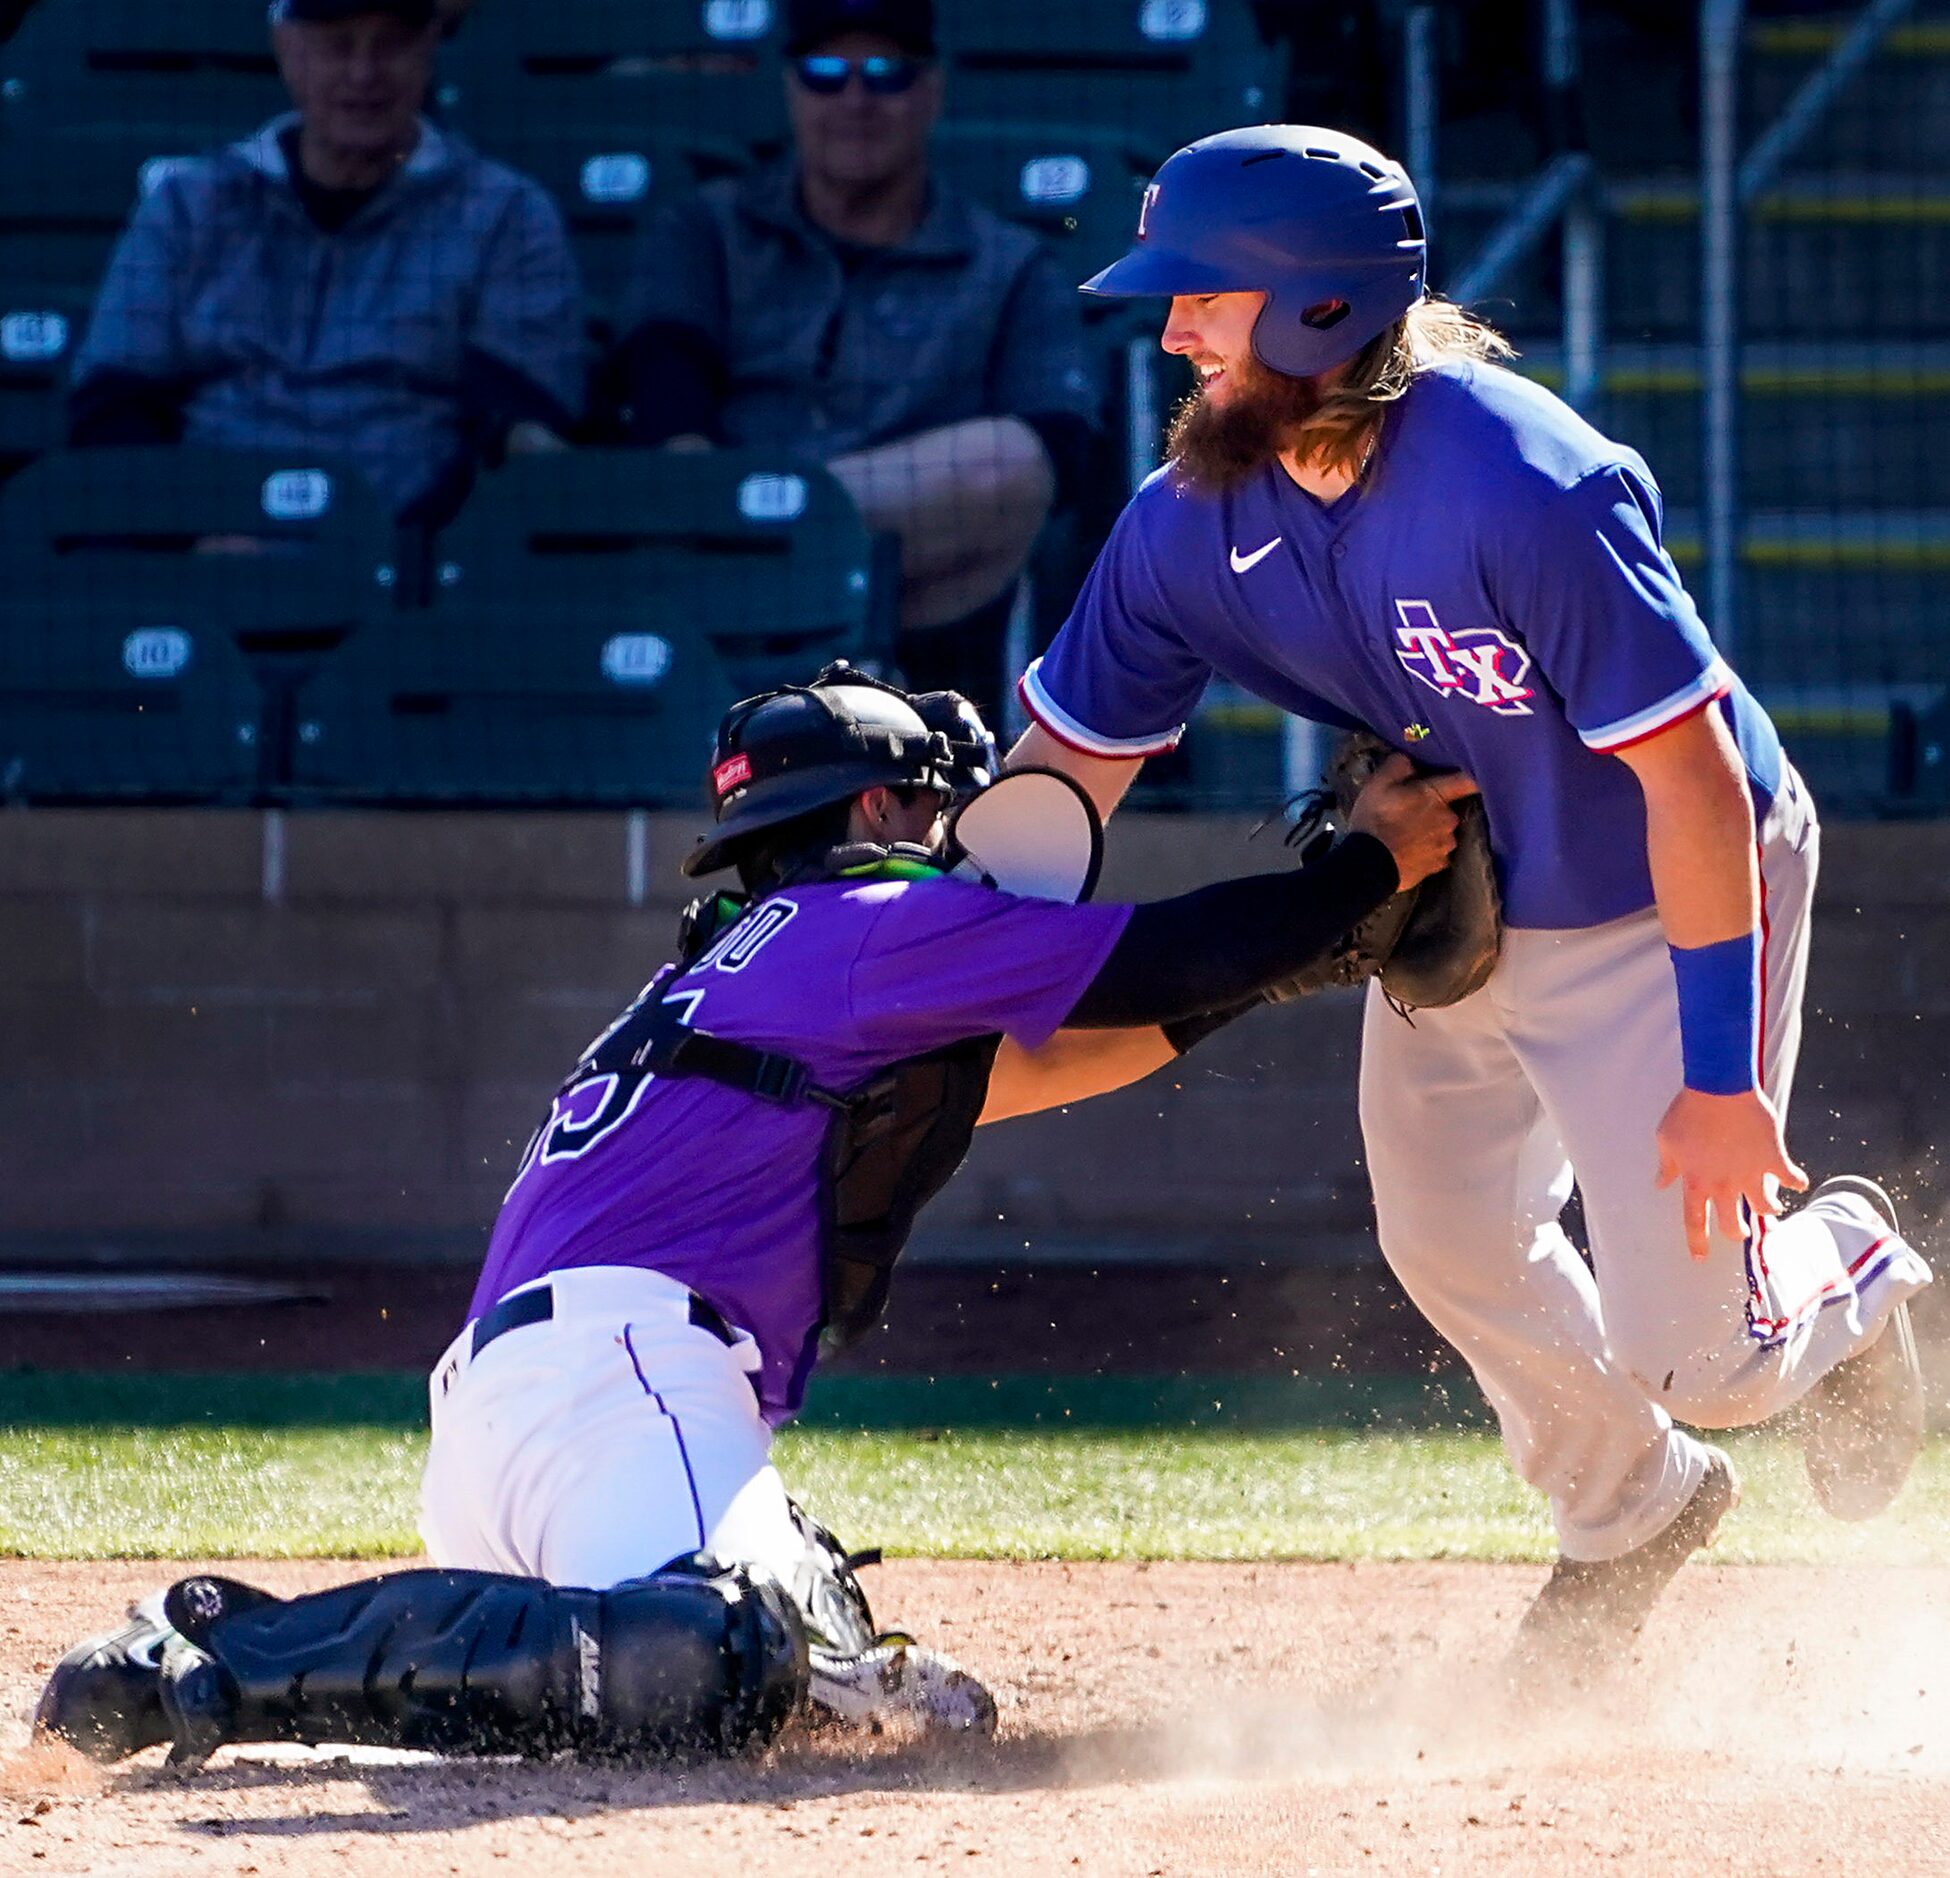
point(719, 1191)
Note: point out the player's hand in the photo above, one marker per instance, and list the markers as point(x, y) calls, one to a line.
point(1724, 1150)
point(1411, 815)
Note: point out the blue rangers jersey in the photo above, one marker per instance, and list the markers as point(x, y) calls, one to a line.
point(1493, 596)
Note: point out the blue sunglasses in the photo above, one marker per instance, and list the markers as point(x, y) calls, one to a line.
point(826, 74)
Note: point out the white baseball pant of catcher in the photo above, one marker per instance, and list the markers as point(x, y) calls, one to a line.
point(1475, 1118)
point(603, 1443)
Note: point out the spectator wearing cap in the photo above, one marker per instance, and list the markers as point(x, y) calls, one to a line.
point(351, 279)
point(847, 304)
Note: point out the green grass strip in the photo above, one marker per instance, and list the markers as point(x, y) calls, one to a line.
point(893, 1461)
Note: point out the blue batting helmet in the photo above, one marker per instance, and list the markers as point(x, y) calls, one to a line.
point(1326, 227)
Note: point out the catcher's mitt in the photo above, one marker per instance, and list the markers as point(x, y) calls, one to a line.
point(1431, 944)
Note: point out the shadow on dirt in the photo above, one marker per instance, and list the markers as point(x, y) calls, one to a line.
point(1265, 1736)
point(1856, 1685)
point(439, 1796)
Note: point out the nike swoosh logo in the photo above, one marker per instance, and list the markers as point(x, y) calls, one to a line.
point(1244, 563)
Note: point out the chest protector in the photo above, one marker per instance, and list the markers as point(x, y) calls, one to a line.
point(890, 1145)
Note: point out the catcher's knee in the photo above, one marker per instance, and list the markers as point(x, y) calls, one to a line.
point(696, 1659)
point(700, 1654)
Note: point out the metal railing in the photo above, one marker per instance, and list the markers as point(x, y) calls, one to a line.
point(1729, 186)
point(1563, 197)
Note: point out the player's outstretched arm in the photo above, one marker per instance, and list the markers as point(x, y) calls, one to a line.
point(1721, 1138)
point(1223, 947)
point(1186, 965)
point(1103, 779)
point(1072, 1067)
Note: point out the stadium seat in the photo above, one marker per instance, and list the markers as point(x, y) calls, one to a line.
point(499, 706)
point(691, 68)
point(66, 194)
point(1156, 73)
point(1076, 188)
point(136, 698)
point(763, 554)
point(40, 326)
point(1073, 185)
point(136, 62)
point(608, 178)
point(281, 552)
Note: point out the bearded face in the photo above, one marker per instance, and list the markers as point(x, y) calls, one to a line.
point(1237, 421)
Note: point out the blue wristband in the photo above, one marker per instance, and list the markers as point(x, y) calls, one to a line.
point(1719, 1014)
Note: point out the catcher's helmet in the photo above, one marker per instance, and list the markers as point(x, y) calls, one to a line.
point(1326, 227)
point(787, 752)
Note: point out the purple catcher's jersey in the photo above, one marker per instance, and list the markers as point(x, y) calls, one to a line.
point(1493, 597)
point(718, 1189)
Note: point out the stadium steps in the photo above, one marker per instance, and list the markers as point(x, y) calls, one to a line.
point(1843, 256)
point(1845, 365)
point(1856, 425)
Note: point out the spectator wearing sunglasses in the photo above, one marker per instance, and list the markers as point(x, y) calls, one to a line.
point(848, 304)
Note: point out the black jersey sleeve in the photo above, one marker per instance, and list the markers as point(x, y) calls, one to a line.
point(1221, 945)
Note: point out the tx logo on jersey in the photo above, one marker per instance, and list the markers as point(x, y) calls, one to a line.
point(1477, 664)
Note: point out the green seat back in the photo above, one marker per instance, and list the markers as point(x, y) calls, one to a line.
point(1156, 72)
point(41, 324)
point(130, 699)
point(765, 554)
point(607, 177)
point(693, 68)
point(271, 547)
point(502, 708)
point(1074, 185)
point(155, 62)
point(86, 179)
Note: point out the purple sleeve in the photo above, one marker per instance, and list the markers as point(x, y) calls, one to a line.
point(942, 960)
point(1593, 593)
point(1118, 680)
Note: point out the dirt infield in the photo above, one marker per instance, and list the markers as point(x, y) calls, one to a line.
point(1170, 1719)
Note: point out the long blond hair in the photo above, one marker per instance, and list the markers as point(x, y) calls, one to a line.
point(1339, 435)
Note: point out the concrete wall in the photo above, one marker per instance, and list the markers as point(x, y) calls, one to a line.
point(229, 1032)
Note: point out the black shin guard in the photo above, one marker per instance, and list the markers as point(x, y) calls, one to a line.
point(692, 1661)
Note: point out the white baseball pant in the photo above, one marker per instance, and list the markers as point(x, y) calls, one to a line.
point(603, 1443)
point(1475, 1118)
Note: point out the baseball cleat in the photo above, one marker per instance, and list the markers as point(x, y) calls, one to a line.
point(1861, 1425)
point(105, 1696)
point(899, 1681)
point(1588, 1612)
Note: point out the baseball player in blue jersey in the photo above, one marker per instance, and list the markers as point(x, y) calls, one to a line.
point(720, 1188)
point(1369, 523)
